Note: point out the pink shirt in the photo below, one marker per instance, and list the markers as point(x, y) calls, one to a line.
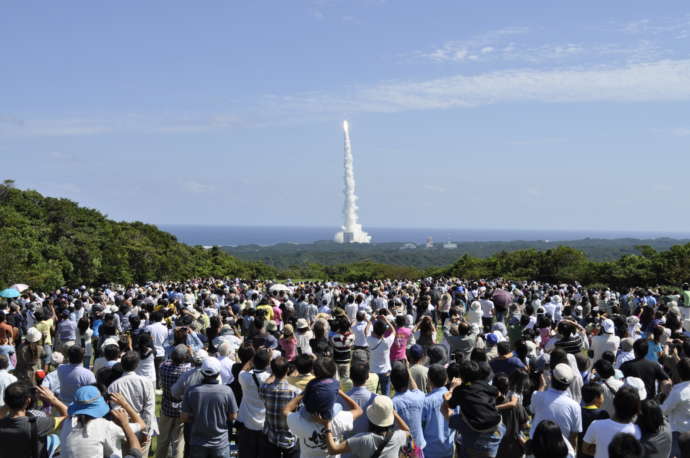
point(289, 347)
point(399, 347)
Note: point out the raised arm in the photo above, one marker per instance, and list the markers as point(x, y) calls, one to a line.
point(292, 405)
point(354, 409)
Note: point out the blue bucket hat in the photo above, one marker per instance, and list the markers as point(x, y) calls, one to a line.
point(88, 401)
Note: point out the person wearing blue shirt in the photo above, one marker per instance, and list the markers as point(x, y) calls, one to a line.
point(359, 374)
point(408, 401)
point(437, 433)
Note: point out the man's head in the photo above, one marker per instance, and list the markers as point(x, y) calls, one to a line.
point(75, 354)
point(4, 362)
point(626, 403)
point(325, 367)
point(304, 363)
point(592, 394)
point(503, 348)
point(279, 367)
point(380, 328)
point(111, 352)
point(181, 355)
point(359, 373)
point(640, 347)
point(437, 375)
point(415, 354)
point(262, 358)
point(129, 361)
point(400, 377)
point(17, 395)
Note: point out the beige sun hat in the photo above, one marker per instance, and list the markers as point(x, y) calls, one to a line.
point(380, 412)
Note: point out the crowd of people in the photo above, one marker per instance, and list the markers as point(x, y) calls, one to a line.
point(436, 368)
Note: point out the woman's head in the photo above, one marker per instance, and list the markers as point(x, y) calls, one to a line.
point(548, 442)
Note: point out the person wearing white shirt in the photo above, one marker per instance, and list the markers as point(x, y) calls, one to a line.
point(252, 412)
point(606, 341)
point(361, 330)
point(677, 405)
point(159, 334)
point(379, 352)
point(226, 363)
point(600, 433)
point(5, 378)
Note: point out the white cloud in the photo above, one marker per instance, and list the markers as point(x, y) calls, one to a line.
point(666, 80)
point(681, 131)
point(196, 187)
point(434, 188)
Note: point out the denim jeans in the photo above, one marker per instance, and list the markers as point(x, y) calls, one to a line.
point(198, 451)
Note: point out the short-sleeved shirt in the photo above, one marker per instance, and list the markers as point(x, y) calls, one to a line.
point(67, 330)
point(210, 405)
point(601, 432)
point(72, 377)
point(648, 371)
point(101, 438)
point(559, 407)
point(15, 435)
point(311, 436)
point(399, 347)
point(45, 326)
point(507, 365)
point(379, 351)
point(276, 396)
point(366, 444)
point(409, 406)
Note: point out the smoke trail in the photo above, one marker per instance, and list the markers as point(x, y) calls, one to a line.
point(350, 208)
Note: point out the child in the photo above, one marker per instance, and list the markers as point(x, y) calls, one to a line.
point(592, 400)
point(288, 343)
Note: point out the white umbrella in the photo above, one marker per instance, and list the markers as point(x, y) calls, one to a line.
point(20, 287)
point(278, 287)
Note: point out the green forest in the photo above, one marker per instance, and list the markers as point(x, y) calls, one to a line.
point(48, 242)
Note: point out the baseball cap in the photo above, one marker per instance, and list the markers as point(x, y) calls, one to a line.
point(607, 326)
point(320, 395)
point(416, 351)
point(57, 358)
point(638, 385)
point(380, 411)
point(491, 338)
point(210, 367)
point(563, 373)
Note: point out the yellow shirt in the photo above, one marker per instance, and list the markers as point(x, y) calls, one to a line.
point(300, 381)
point(45, 327)
point(371, 384)
point(268, 309)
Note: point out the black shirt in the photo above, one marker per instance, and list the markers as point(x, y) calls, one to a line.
point(15, 436)
point(648, 371)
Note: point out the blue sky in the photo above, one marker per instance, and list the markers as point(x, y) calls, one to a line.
point(530, 115)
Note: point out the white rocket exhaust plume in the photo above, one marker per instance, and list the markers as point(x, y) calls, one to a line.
point(352, 231)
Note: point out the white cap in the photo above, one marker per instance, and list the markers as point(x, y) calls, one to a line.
point(33, 335)
point(563, 373)
point(57, 358)
point(210, 367)
point(608, 327)
point(638, 384)
point(380, 411)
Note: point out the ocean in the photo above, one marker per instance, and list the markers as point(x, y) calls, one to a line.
point(271, 235)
